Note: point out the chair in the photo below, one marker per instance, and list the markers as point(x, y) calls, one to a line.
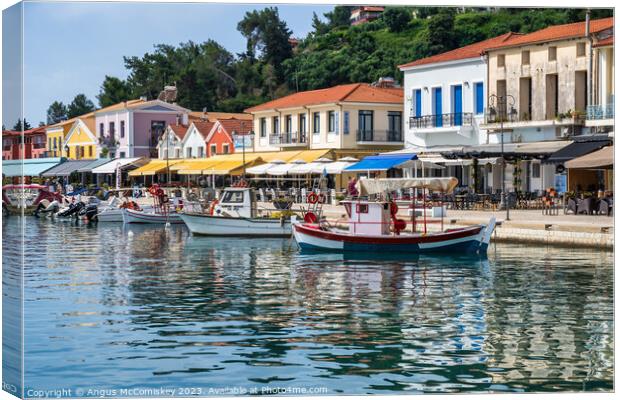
point(571, 205)
point(586, 205)
point(605, 207)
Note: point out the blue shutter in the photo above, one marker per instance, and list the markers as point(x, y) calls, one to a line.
point(479, 98)
point(418, 102)
point(346, 123)
point(438, 108)
point(458, 105)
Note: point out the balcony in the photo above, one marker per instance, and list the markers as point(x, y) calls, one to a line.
point(375, 136)
point(441, 121)
point(600, 115)
point(495, 121)
point(290, 139)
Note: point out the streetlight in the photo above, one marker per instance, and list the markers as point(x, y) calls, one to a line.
point(502, 103)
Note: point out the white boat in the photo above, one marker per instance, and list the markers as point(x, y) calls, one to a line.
point(131, 216)
point(236, 215)
point(113, 210)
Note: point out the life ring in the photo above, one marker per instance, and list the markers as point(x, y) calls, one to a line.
point(212, 206)
point(393, 208)
point(312, 198)
point(241, 183)
point(153, 189)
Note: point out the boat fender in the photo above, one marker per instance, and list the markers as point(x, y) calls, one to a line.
point(312, 198)
point(393, 208)
point(310, 218)
point(212, 206)
point(399, 225)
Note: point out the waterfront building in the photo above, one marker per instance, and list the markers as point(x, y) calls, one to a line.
point(600, 112)
point(80, 141)
point(169, 144)
point(544, 76)
point(356, 118)
point(133, 128)
point(27, 144)
point(56, 135)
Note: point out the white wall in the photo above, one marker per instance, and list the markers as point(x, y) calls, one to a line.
point(465, 73)
point(194, 140)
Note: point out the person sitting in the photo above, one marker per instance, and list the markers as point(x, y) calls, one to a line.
point(351, 189)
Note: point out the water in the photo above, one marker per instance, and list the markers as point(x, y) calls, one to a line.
point(111, 308)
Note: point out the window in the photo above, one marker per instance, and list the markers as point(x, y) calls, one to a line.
point(553, 53)
point(101, 133)
point(288, 123)
point(112, 129)
point(332, 121)
point(535, 170)
point(165, 153)
point(122, 154)
point(55, 144)
point(395, 124)
point(345, 122)
point(302, 124)
point(50, 143)
point(225, 148)
point(275, 125)
point(201, 152)
point(233, 196)
point(361, 208)
point(122, 129)
point(525, 57)
point(581, 49)
point(263, 127)
point(90, 151)
point(365, 125)
point(501, 60)
point(416, 104)
point(188, 152)
point(177, 153)
point(213, 149)
point(479, 98)
point(316, 123)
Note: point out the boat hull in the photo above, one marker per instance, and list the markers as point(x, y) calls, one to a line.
point(200, 224)
point(140, 217)
point(469, 240)
point(116, 214)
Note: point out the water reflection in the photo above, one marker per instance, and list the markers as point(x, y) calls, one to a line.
point(166, 308)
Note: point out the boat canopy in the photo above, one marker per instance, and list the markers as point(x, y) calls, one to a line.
point(374, 186)
point(29, 166)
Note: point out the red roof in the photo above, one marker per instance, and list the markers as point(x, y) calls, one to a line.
point(203, 127)
point(179, 130)
point(33, 131)
point(605, 42)
point(353, 92)
point(558, 32)
point(471, 51)
point(370, 8)
point(241, 127)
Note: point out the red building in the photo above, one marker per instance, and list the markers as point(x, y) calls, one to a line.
point(32, 144)
point(220, 139)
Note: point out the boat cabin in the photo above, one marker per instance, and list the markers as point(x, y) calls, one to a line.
point(369, 217)
point(237, 202)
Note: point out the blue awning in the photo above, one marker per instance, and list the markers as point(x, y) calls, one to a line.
point(381, 162)
point(29, 166)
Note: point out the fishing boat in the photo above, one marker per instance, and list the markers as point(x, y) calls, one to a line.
point(373, 225)
point(161, 213)
point(26, 198)
point(236, 215)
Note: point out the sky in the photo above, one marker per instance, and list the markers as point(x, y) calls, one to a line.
point(68, 48)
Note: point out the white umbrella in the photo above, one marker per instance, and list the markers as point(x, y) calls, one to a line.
point(337, 167)
point(263, 168)
point(349, 159)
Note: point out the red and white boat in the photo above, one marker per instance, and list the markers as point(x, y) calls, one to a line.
point(26, 197)
point(374, 227)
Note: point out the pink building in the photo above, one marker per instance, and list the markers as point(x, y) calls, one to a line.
point(33, 145)
point(132, 128)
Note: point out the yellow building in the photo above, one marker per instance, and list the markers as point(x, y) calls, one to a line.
point(55, 135)
point(80, 139)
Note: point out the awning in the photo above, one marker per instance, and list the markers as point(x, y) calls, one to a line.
point(93, 164)
point(153, 167)
point(337, 167)
point(374, 186)
point(381, 162)
point(260, 169)
point(110, 166)
point(230, 167)
point(600, 159)
point(580, 147)
point(280, 169)
point(29, 166)
point(511, 150)
point(67, 168)
point(193, 167)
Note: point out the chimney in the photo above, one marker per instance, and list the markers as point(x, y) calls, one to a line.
point(185, 119)
point(143, 98)
point(204, 114)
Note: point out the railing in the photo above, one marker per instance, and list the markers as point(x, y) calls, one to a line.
point(440, 120)
point(493, 116)
point(595, 112)
point(374, 135)
point(288, 138)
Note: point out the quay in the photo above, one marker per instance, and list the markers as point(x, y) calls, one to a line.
point(524, 226)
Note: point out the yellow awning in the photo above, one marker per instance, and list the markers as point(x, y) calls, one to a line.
point(292, 155)
point(153, 167)
point(195, 167)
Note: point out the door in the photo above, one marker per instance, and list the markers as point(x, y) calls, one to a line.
point(479, 98)
point(438, 111)
point(418, 103)
point(458, 105)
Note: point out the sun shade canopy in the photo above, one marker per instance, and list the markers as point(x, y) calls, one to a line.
point(578, 149)
point(381, 162)
point(110, 167)
point(66, 168)
point(29, 167)
point(600, 159)
point(386, 185)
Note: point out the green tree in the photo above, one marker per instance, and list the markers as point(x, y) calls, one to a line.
point(320, 27)
point(56, 112)
point(340, 17)
point(397, 18)
point(18, 125)
point(79, 106)
point(113, 90)
point(440, 35)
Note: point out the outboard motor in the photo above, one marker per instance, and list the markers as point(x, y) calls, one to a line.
point(90, 212)
point(73, 210)
point(52, 208)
